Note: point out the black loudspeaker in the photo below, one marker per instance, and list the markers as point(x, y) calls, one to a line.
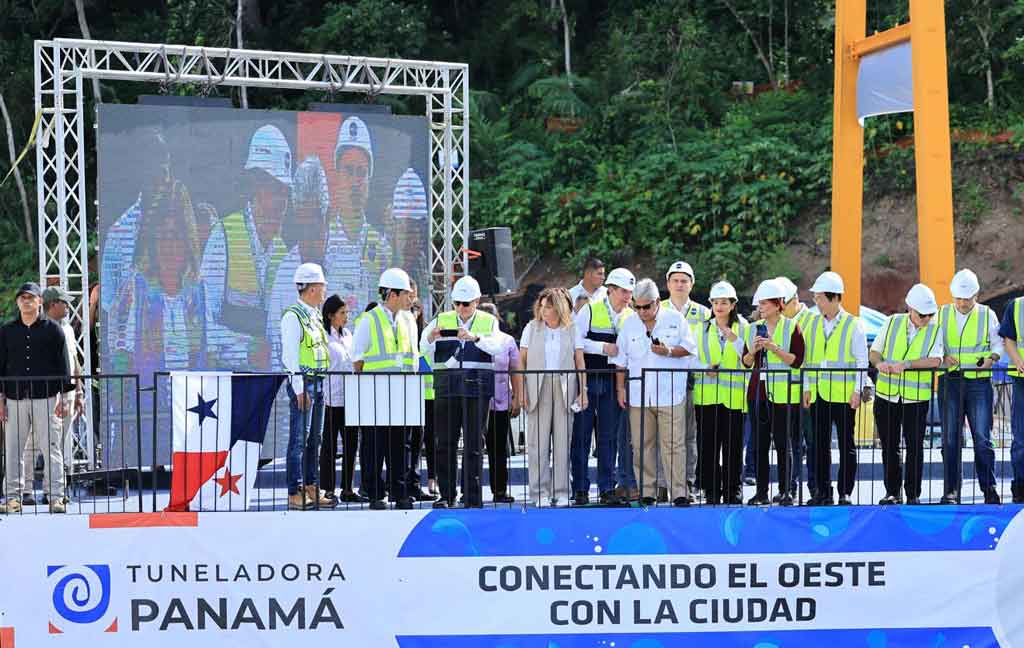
point(490, 260)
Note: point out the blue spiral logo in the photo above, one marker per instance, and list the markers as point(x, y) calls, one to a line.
point(80, 596)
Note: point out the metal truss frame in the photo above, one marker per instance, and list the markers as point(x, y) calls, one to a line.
point(62, 65)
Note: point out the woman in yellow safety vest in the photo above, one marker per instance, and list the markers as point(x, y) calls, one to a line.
point(720, 398)
point(775, 349)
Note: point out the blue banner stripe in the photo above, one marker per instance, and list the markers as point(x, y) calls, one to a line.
point(884, 638)
point(719, 530)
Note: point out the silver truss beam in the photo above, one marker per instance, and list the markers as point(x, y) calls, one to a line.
point(62, 64)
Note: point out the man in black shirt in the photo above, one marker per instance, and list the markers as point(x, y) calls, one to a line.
point(32, 348)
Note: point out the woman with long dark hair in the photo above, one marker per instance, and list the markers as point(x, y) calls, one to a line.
point(339, 344)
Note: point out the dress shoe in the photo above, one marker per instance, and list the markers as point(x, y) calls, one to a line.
point(662, 495)
point(350, 497)
point(759, 500)
point(633, 494)
point(734, 500)
point(844, 500)
point(404, 504)
point(681, 501)
point(952, 497)
point(581, 498)
point(441, 504)
point(28, 499)
point(913, 501)
point(889, 500)
point(648, 501)
point(378, 505)
point(423, 496)
point(992, 497)
point(813, 500)
point(610, 498)
point(777, 498)
point(503, 498)
point(785, 499)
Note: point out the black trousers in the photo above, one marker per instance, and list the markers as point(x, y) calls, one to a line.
point(823, 415)
point(386, 443)
point(415, 452)
point(771, 422)
point(906, 422)
point(334, 427)
point(499, 429)
point(452, 416)
point(429, 438)
point(719, 451)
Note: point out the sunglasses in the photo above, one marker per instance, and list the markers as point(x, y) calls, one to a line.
point(462, 303)
point(643, 307)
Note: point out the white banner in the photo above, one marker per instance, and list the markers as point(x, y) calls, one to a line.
point(514, 578)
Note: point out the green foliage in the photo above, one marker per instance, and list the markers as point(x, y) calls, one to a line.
point(971, 202)
point(371, 28)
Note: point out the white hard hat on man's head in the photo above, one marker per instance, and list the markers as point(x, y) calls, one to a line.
point(466, 289)
point(680, 266)
point(269, 152)
point(769, 289)
point(964, 285)
point(354, 133)
point(788, 286)
point(828, 282)
point(723, 290)
point(394, 278)
point(622, 278)
point(921, 298)
point(309, 273)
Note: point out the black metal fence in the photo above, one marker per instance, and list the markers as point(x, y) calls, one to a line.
point(548, 439)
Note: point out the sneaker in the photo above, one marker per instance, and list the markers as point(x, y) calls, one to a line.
point(13, 505)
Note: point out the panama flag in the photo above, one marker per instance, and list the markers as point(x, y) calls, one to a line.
point(218, 424)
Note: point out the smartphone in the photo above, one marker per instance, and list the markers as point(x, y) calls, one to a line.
point(655, 341)
point(762, 330)
point(449, 332)
point(575, 407)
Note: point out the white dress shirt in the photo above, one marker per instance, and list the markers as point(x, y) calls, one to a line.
point(663, 388)
point(582, 318)
point(339, 344)
point(291, 338)
point(552, 343)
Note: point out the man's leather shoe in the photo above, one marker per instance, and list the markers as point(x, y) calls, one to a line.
point(952, 497)
point(503, 498)
point(759, 500)
point(913, 501)
point(378, 505)
point(423, 496)
point(441, 504)
point(581, 498)
point(889, 500)
point(785, 499)
point(350, 497)
point(844, 500)
point(681, 501)
point(404, 504)
point(992, 497)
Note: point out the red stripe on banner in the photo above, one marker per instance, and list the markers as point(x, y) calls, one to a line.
point(189, 471)
point(6, 637)
point(140, 520)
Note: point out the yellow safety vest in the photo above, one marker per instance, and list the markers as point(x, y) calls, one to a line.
point(969, 345)
point(834, 351)
point(243, 300)
point(909, 385)
point(727, 388)
point(603, 328)
point(803, 318)
point(390, 349)
point(1018, 319)
point(782, 388)
point(313, 354)
point(474, 373)
point(695, 314)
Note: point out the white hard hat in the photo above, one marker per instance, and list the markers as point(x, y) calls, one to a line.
point(964, 285)
point(466, 289)
point(353, 132)
point(409, 199)
point(723, 290)
point(769, 289)
point(828, 282)
point(622, 278)
point(394, 278)
point(788, 287)
point(922, 299)
point(309, 273)
point(680, 266)
point(269, 151)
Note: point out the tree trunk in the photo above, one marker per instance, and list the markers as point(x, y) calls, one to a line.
point(26, 213)
point(768, 68)
point(568, 54)
point(83, 25)
point(238, 37)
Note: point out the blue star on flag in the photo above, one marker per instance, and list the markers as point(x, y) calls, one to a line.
point(204, 408)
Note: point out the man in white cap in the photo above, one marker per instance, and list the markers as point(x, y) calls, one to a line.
point(305, 356)
point(835, 340)
point(802, 442)
point(597, 327)
point(382, 344)
point(970, 334)
point(243, 252)
point(1011, 329)
point(460, 344)
point(680, 279)
point(906, 354)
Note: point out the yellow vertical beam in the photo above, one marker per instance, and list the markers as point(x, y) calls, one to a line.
point(848, 152)
point(936, 247)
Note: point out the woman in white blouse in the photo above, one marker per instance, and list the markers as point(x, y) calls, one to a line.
point(549, 343)
point(339, 343)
